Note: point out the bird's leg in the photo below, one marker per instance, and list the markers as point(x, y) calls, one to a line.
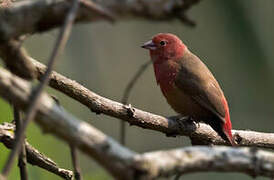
point(176, 118)
point(184, 119)
point(190, 120)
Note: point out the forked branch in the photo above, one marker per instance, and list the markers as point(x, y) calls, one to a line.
point(34, 157)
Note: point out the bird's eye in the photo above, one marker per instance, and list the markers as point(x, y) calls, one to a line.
point(162, 43)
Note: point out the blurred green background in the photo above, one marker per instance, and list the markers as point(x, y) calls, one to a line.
point(234, 38)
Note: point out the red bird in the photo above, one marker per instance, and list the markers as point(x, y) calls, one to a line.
point(188, 85)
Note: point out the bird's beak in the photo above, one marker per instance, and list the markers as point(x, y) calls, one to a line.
point(149, 45)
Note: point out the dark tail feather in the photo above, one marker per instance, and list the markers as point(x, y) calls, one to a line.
point(217, 125)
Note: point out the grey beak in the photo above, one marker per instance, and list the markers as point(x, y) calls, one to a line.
point(149, 45)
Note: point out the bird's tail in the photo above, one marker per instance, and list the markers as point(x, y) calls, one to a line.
point(227, 125)
point(222, 130)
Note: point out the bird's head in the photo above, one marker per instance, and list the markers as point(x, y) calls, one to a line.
point(165, 46)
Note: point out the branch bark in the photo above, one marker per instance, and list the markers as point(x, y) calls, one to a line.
point(34, 157)
point(125, 164)
point(249, 161)
point(200, 134)
point(5, 3)
point(28, 17)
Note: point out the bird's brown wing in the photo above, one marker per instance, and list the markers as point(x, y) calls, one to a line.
point(195, 79)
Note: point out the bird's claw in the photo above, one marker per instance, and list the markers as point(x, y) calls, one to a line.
point(197, 124)
point(189, 120)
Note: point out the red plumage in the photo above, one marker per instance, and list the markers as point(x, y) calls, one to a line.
point(227, 126)
point(188, 85)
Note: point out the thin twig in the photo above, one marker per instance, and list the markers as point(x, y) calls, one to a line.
point(34, 157)
point(133, 81)
point(126, 94)
point(22, 160)
point(98, 9)
point(58, 48)
point(75, 162)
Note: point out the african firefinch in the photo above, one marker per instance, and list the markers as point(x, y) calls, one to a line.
point(188, 85)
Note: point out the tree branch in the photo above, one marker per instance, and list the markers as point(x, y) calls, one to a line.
point(22, 161)
point(34, 157)
point(201, 134)
point(250, 161)
point(32, 108)
point(116, 158)
point(5, 3)
point(29, 17)
point(75, 162)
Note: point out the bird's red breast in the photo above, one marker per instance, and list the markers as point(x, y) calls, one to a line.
point(165, 74)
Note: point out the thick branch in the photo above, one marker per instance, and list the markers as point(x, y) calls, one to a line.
point(34, 157)
point(201, 134)
point(123, 163)
point(28, 17)
point(203, 159)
